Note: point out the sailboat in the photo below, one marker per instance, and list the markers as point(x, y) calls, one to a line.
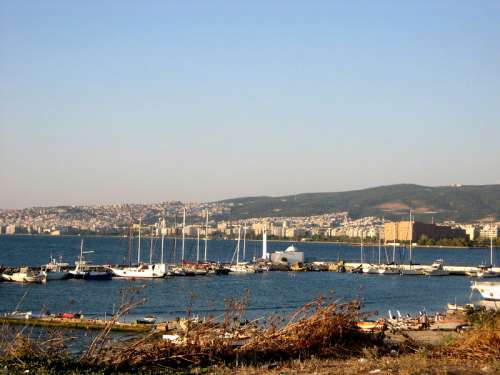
point(87, 271)
point(141, 270)
point(391, 269)
point(374, 269)
point(240, 267)
point(487, 272)
point(411, 271)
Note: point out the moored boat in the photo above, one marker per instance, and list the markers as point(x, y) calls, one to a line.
point(55, 270)
point(84, 270)
point(437, 269)
point(489, 290)
point(141, 271)
point(389, 270)
point(25, 275)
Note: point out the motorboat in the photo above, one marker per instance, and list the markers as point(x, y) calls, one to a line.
point(25, 275)
point(437, 269)
point(371, 269)
point(90, 272)
point(55, 270)
point(389, 270)
point(489, 290)
point(86, 271)
point(412, 272)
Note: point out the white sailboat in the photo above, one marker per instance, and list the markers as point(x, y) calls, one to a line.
point(411, 271)
point(141, 270)
point(240, 267)
point(391, 269)
point(371, 268)
point(487, 272)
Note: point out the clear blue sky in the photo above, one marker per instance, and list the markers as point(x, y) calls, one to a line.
point(142, 101)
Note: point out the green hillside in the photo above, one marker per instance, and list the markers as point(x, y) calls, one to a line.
point(461, 203)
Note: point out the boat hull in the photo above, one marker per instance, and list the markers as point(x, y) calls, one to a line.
point(489, 290)
point(56, 275)
point(141, 272)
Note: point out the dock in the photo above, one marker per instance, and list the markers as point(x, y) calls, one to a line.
point(454, 270)
point(74, 323)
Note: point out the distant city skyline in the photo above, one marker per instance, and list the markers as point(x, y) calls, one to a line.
point(125, 102)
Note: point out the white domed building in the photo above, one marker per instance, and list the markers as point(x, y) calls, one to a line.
point(290, 255)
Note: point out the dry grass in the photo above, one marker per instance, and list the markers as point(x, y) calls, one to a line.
point(480, 344)
point(322, 328)
point(317, 338)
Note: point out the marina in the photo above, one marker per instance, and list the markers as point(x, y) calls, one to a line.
point(280, 292)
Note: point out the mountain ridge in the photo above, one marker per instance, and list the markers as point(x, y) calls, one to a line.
point(458, 202)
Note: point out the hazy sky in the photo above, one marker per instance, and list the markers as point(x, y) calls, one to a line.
point(142, 101)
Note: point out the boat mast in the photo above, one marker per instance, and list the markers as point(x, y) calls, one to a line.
point(264, 243)
point(206, 238)
point(81, 252)
point(130, 245)
point(183, 234)
point(198, 246)
point(244, 241)
point(411, 239)
point(379, 246)
point(394, 246)
point(139, 245)
point(162, 238)
point(151, 248)
point(238, 246)
point(491, 244)
point(361, 248)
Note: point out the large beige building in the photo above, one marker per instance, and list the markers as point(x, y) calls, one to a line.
point(489, 231)
point(404, 231)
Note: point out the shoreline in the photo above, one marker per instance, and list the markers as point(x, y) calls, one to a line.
point(352, 244)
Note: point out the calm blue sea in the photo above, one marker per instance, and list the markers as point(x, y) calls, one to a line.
point(270, 292)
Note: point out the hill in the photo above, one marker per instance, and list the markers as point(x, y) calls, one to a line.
point(461, 203)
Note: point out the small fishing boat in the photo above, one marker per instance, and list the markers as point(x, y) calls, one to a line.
point(148, 319)
point(84, 270)
point(389, 270)
point(25, 275)
point(412, 272)
point(55, 270)
point(371, 269)
point(437, 269)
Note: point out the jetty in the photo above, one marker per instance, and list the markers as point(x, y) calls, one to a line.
point(453, 270)
point(27, 319)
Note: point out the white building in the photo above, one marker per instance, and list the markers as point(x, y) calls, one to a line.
point(290, 255)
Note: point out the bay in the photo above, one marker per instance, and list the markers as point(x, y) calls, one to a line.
point(271, 292)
